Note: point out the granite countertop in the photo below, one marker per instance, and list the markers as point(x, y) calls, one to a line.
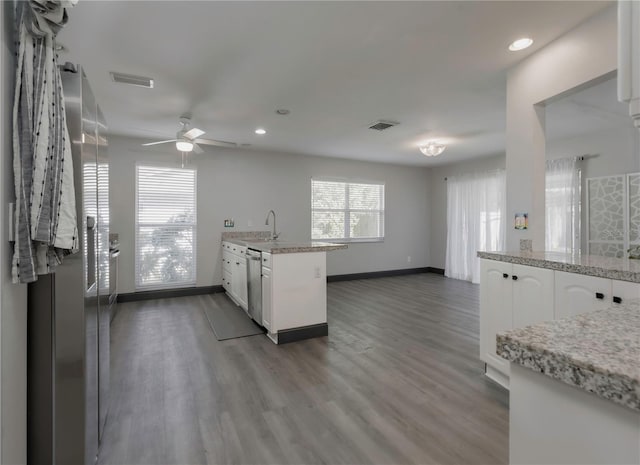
point(621, 269)
point(260, 240)
point(597, 351)
point(277, 247)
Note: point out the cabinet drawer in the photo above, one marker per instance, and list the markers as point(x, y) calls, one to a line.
point(239, 250)
point(266, 259)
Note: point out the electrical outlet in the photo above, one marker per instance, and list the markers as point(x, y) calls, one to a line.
point(250, 224)
point(409, 259)
point(317, 272)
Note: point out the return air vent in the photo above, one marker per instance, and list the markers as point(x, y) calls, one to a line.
point(382, 125)
point(132, 80)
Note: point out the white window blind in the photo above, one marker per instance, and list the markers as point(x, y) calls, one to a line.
point(165, 227)
point(347, 211)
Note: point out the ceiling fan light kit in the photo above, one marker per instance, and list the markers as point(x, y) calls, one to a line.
point(184, 146)
point(188, 139)
point(432, 149)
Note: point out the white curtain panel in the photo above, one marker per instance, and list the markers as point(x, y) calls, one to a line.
point(476, 221)
point(562, 206)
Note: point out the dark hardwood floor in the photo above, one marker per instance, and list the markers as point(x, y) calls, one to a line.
point(398, 381)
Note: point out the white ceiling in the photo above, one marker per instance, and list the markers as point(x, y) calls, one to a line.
point(438, 68)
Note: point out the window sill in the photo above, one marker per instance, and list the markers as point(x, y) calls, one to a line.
point(349, 241)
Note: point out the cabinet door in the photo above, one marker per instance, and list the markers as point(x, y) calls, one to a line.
point(495, 310)
point(577, 293)
point(532, 295)
point(242, 284)
point(266, 299)
point(226, 280)
point(622, 291)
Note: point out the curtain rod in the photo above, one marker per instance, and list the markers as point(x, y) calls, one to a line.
point(580, 157)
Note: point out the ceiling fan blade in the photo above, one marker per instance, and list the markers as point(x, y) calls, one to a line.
point(219, 143)
point(196, 148)
point(160, 142)
point(193, 133)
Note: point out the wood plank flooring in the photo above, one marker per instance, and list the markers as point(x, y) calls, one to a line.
point(398, 381)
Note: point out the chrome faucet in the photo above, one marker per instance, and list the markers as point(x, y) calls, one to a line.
point(274, 234)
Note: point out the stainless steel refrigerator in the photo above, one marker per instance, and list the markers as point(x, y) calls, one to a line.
point(68, 311)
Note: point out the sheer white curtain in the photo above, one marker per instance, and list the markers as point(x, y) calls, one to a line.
point(562, 206)
point(475, 221)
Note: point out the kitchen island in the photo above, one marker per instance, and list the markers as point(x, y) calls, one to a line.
point(293, 285)
point(523, 288)
point(575, 388)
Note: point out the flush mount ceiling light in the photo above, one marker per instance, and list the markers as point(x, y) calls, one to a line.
point(432, 149)
point(260, 131)
point(184, 146)
point(520, 44)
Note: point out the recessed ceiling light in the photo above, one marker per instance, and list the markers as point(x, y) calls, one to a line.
point(282, 111)
point(260, 131)
point(520, 44)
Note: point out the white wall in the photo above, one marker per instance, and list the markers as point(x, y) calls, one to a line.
point(438, 200)
point(13, 298)
point(245, 185)
point(618, 152)
point(583, 54)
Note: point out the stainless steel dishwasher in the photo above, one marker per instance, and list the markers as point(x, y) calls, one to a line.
point(254, 284)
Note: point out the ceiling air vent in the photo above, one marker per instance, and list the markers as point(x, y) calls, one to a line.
point(382, 125)
point(132, 80)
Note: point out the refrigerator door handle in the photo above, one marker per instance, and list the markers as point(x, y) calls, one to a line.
point(91, 252)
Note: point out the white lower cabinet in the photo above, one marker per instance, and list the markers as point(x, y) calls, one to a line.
point(511, 296)
point(532, 295)
point(496, 313)
point(622, 291)
point(239, 282)
point(294, 291)
point(234, 273)
point(576, 294)
point(266, 297)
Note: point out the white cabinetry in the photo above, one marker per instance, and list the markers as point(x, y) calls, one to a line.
point(576, 294)
point(511, 296)
point(532, 295)
point(234, 272)
point(629, 57)
point(495, 310)
point(294, 291)
point(266, 291)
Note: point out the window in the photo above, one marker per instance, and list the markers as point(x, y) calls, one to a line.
point(165, 227)
point(347, 211)
point(562, 206)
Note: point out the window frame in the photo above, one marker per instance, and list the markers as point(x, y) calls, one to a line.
point(347, 211)
point(191, 283)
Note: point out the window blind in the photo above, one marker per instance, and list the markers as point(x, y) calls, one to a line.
point(165, 227)
point(347, 211)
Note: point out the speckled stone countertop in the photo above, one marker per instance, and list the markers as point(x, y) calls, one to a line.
point(260, 240)
point(621, 269)
point(276, 247)
point(598, 351)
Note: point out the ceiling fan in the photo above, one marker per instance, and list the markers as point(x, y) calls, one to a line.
point(188, 138)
